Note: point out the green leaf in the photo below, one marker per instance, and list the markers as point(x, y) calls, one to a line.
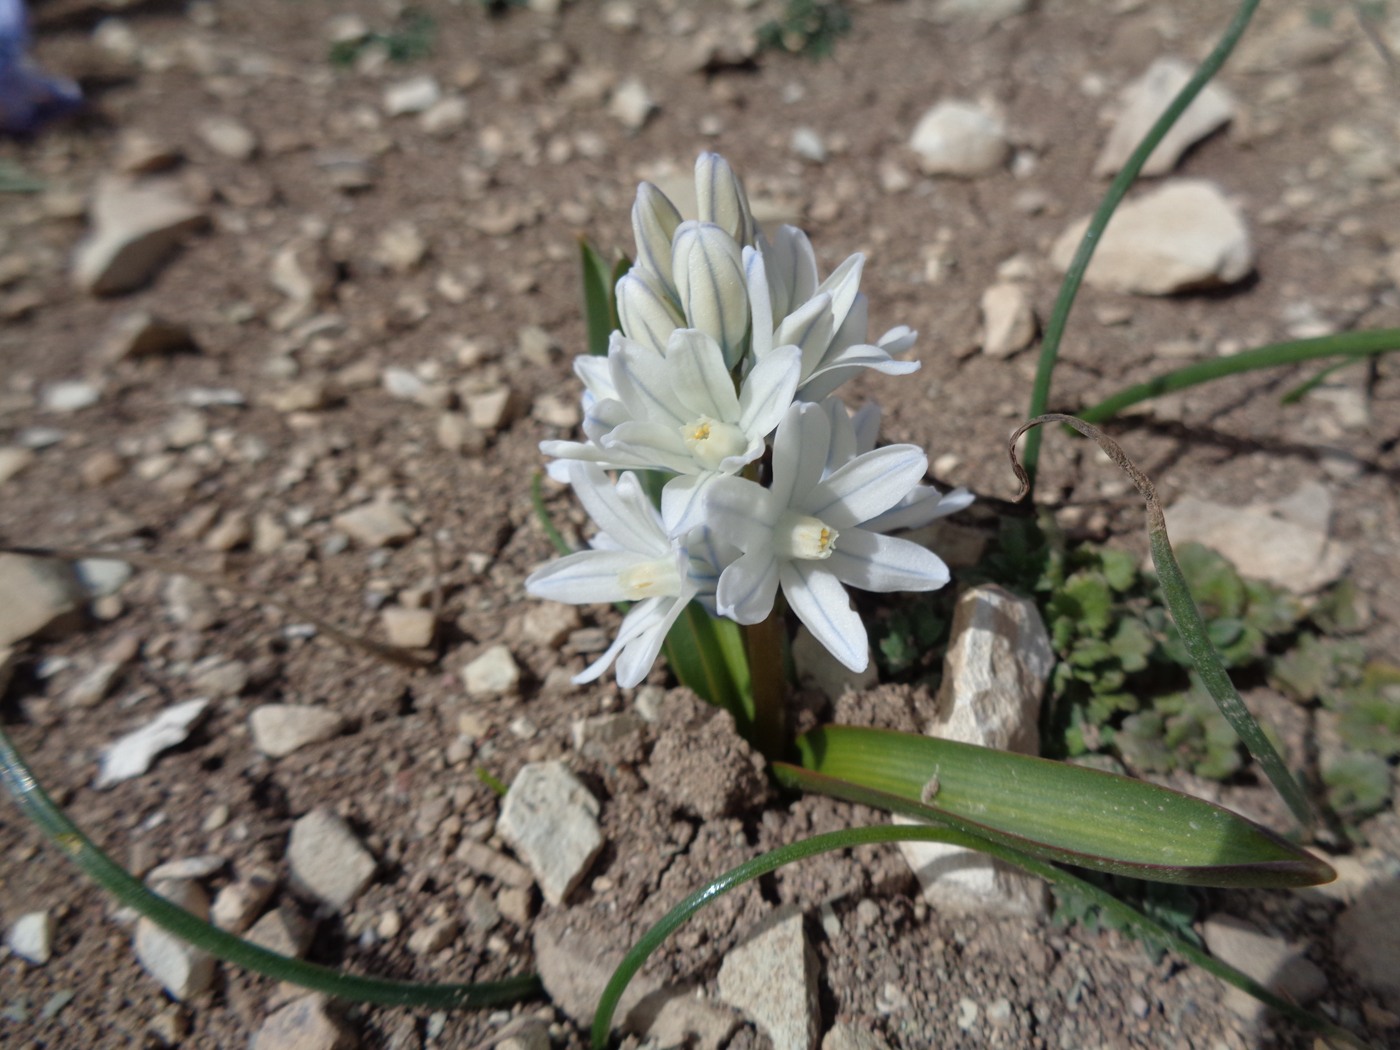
point(1357, 785)
point(1216, 586)
point(1119, 569)
point(707, 654)
point(599, 306)
point(1086, 600)
point(1131, 644)
point(1050, 809)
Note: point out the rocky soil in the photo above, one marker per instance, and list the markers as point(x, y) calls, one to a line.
point(301, 323)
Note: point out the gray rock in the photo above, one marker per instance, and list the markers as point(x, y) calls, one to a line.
point(483, 860)
point(328, 860)
point(772, 979)
point(1368, 938)
point(280, 729)
point(102, 576)
point(849, 1037)
point(415, 95)
point(181, 968)
point(1285, 543)
point(304, 1024)
point(1146, 99)
point(13, 459)
point(1280, 967)
point(493, 673)
point(631, 104)
point(994, 675)
point(551, 820)
point(190, 604)
point(408, 628)
point(283, 930)
point(445, 117)
point(43, 598)
point(1008, 320)
point(228, 137)
point(375, 525)
point(818, 669)
point(1185, 235)
point(135, 228)
point(238, 904)
point(31, 937)
point(70, 396)
point(680, 1017)
point(132, 755)
point(196, 868)
point(575, 962)
point(433, 937)
point(959, 138)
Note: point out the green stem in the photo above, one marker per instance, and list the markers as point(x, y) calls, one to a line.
point(1348, 344)
point(35, 803)
point(1074, 276)
point(765, 642)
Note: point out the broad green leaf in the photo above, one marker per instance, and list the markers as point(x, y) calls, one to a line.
point(1050, 809)
point(707, 654)
point(599, 308)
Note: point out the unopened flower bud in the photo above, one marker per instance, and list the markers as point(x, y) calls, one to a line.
point(709, 276)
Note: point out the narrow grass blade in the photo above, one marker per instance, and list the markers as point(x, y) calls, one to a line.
point(35, 803)
point(1126, 915)
point(1117, 190)
point(1347, 344)
point(1188, 618)
point(1053, 810)
point(546, 520)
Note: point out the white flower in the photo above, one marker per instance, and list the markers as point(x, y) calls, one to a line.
point(678, 410)
point(634, 559)
point(853, 435)
point(828, 321)
point(806, 534)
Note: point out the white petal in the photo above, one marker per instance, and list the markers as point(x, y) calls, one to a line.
point(874, 562)
point(700, 377)
point(898, 339)
point(843, 286)
point(583, 578)
point(768, 390)
point(792, 270)
point(866, 486)
point(799, 456)
point(645, 384)
point(640, 618)
point(740, 511)
point(760, 302)
point(867, 425)
point(843, 447)
point(651, 446)
point(709, 274)
point(844, 365)
point(597, 380)
point(809, 326)
point(720, 197)
point(645, 310)
point(683, 503)
point(654, 221)
point(622, 510)
point(820, 602)
point(923, 505)
point(640, 653)
point(748, 586)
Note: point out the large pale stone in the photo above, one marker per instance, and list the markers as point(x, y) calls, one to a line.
point(959, 138)
point(135, 227)
point(327, 858)
point(280, 729)
point(304, 1024)
point(1368, 940)
point(551, 820)
point(772, 978)
point(131, 755)
point(41, 596)
point(1181, 237)
point(1284, 543)
point(1146, 99)
point(1278, 966)
point(180, 967)
point(993, 678)
point(1008, 320)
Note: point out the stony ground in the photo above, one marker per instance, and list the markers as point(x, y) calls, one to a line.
point(332, 390)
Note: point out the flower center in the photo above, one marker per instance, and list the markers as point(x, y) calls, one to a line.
point(650, 578)
point(803, 537)
point(711, 442)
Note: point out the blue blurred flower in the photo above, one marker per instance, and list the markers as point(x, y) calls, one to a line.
point(28, 97)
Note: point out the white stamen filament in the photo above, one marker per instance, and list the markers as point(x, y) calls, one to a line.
point(650, 578)
point(804, 537)
point(711, 442)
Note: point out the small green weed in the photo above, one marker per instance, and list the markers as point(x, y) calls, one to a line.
point(807, 27)
point(410, 39)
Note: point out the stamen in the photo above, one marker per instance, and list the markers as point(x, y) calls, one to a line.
point(649, 579)
point(803, 537)
point(711, 442)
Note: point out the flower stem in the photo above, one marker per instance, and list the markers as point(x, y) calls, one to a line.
point(765, 641)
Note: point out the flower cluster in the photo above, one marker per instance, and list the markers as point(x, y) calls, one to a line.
point(731, 346)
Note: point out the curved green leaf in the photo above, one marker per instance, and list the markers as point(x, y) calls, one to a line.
point(1066, 813)
point(35, 803)
point(1128, 916)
